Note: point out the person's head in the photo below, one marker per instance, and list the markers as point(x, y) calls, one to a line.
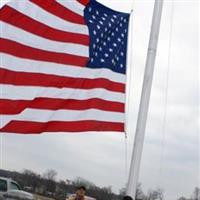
point(80, 191)
point(127, 198)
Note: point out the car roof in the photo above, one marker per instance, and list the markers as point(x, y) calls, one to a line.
point(8, 179)
point(4, 178)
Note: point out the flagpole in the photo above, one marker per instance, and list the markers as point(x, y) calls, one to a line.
point(144, 103)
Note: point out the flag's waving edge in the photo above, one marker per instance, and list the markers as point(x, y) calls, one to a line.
point(63, 67)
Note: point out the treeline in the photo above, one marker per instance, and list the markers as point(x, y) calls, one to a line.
point(47, 185)
point(195, 195)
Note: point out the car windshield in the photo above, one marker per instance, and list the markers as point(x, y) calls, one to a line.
point(14, 186)
point(3, 185)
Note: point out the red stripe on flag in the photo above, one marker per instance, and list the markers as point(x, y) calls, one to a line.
point(46, 80)
point(17, 19)
point(84, 2)
point(60, 11)
point(23, 51)
point(17, 106)
point(25, 127)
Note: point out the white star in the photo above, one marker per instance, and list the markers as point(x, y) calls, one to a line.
point(122, 35)
point(114, 44)
point(120, 25)
point(90, 21)
point(105, 15)
point(98, 27)
point(125, 31)
point(101, 22)
point(106, 29)
point(96, 54)
point(102, 60)
point(115, 16)
point(119, 39)
point(117, 29)
point(104, 44)
point(106, 55)
point(94, 32)
point(103, 18)
point(97, 12)
point(97, 40)
point(93, 17)
point(94, 46)
point(121, 65)
point(125, 20)
point(90, 9)
point(100, 48)
point(112, 20)
point(122, 54)
point(113, 34)
point(101, 34)
point(111, 50)
point(109, 24)
point(92, 59)
point(108, 39)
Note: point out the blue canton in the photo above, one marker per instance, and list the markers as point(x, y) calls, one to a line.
point(108, 37)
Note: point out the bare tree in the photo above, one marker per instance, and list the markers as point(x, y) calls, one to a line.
point(50, 181)
point(81, 181)
point(182, 198)
point(196, 194)
point(139, 192)
point(155, 194)
point(50, 174)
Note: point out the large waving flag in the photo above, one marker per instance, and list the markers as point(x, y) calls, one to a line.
point(63, 66)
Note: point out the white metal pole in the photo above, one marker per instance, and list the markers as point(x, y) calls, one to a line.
point(144, 103)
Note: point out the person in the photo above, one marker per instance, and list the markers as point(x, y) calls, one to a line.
point(127, 198)
point(80, 194)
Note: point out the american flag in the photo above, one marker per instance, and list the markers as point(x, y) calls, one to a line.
point(63, 66)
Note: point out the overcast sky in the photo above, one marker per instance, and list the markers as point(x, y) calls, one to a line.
point(171, 156)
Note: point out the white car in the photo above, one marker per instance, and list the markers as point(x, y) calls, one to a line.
point(10, 190)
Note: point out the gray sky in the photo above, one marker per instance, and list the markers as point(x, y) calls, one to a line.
point(171, 156)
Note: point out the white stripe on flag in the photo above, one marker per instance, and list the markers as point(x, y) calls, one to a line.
point(74, 6)
point(30, 92)
point(31, 10)
point(37, 115)
point(23, 37)
point(26, 65)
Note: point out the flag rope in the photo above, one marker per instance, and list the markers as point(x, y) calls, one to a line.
point(133, 5)
point(126, 158)
point(128, 91)
point(166, 95)
point(129, 72)
point(130, 78)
